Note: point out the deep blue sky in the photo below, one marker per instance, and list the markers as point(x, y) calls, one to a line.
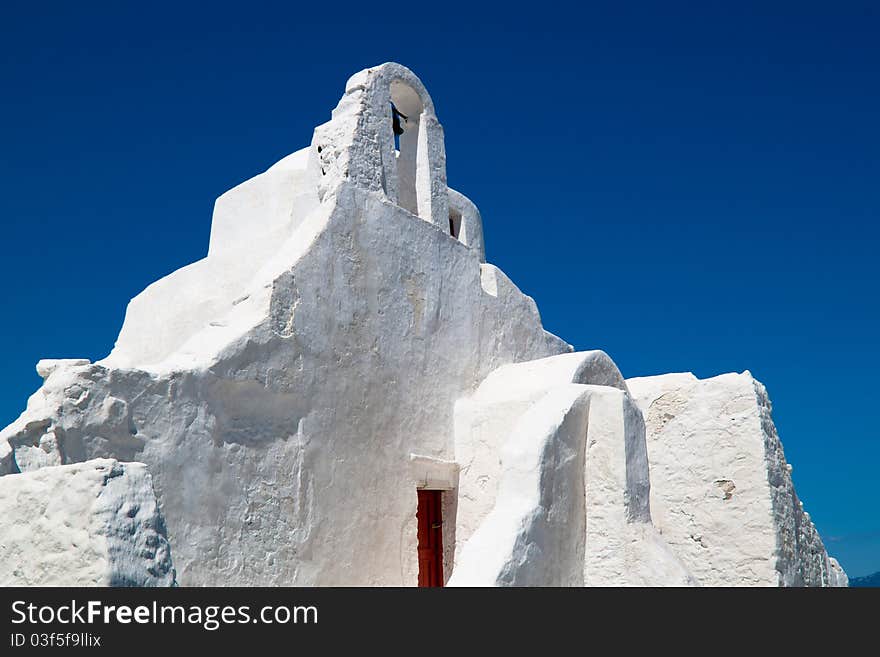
point(686, 186)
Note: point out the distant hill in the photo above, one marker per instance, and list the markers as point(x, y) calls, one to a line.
point(867, 580)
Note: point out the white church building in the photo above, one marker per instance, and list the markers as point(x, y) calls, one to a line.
point(344, 392)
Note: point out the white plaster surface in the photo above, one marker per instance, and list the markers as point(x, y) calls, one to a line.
point(554, 483)
point(534, 534)
point(485, 420)
point(622, 546)
point(95, 523)
point(721, 490)
point(838, 576)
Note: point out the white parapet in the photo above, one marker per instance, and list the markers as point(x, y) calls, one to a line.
point(721, 490)
point(534, 534)
point(554, 481)
point(485, 420)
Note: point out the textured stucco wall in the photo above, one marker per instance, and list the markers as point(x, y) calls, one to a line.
point(85, 524)
point(721, 490)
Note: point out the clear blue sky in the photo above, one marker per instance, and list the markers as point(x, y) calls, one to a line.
point(686, 186)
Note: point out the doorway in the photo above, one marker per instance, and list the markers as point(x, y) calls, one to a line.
point(430, 522)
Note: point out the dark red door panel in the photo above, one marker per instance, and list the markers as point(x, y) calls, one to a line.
point(430, 521)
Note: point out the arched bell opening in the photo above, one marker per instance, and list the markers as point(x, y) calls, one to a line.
point(405, 113)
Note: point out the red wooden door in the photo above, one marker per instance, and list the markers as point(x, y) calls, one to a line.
point(430, 519)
